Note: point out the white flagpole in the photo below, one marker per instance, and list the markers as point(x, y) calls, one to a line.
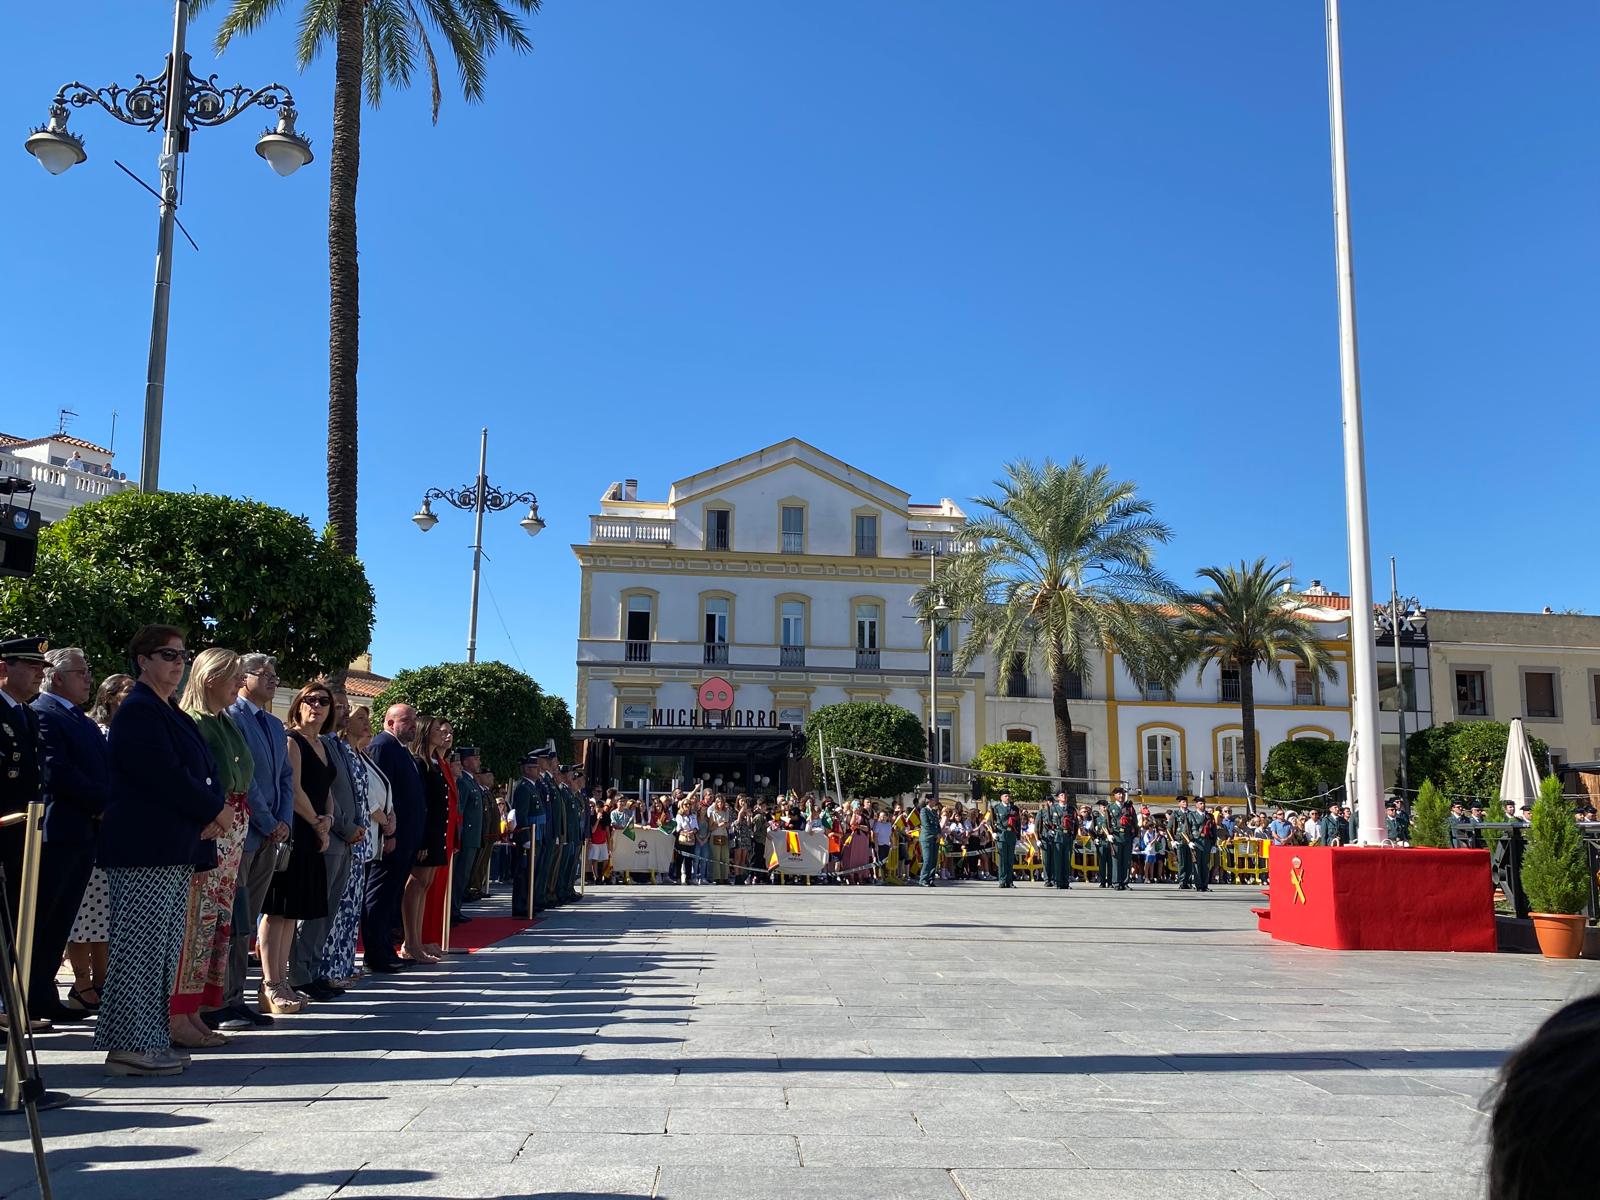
point(1363, 653)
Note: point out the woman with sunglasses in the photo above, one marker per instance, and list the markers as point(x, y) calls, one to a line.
point(166, 808)
point(299, 890)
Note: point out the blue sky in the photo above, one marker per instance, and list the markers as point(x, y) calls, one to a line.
point(927, 236)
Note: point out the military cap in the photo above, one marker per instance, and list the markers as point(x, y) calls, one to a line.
point(25, 649)
point(467, 751)
point(531, 757)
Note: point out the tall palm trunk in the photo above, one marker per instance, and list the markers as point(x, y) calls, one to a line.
point(1247, 723)
point(1063, 713)
point(344, 303)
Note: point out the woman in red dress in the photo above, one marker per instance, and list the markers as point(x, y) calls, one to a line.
point(436, 909)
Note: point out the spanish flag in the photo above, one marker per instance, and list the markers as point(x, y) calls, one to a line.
point(794, 843)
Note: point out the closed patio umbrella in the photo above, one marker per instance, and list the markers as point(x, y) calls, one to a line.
point(1519, 778)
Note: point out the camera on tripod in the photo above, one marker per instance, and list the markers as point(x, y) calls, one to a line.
point(19, 530)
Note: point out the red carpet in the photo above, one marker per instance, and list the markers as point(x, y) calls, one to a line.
point(481, 932)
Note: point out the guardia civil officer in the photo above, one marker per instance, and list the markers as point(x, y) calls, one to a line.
point(1061, 824)
point(1183, 835)
point(22, 665)
point(1124, 828)
point(928, 836)
point(470, 837)
point(1394, 822)
point(1205, 842)
point(1104, 852)
point(573, 811)
point(555, 827)
point(1007, 824)
point(1047, 822)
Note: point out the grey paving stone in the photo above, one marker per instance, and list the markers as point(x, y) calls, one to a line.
point(758, 1181)
point(1031, 1183)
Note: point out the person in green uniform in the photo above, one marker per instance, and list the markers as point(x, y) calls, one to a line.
point(577, 832)
point(1124, 829)
point(1045, 822)
point(928, 837)
point(1184, 841)
point(1007, 825)
point(1066, 839)
point(557, 827)
point(1328, 827)
point(1104, 853)
point(1204, 827)
point(545, 827)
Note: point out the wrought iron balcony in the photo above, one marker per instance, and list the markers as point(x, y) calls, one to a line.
point(794, 543)
point(716, 653)
point(866, 660)
point(946, 662)
point(791, 656)
point(1230, 690)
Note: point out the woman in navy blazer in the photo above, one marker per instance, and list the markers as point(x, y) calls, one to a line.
point(165, 810)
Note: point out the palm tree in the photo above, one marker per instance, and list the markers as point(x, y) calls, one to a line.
point(376, 44)
point(1250, 617)
point(1060, 566)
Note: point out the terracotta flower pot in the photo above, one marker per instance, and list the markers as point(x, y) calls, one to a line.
point(1560, 934)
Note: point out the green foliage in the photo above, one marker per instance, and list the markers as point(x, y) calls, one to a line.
point(228, 572)
point(492, 706)
point(1300, 770)
point(1555, 868)
point(1465, 758)
point(1017, 758)
point(397, 38)
point(1430, 817)
point(877, 728)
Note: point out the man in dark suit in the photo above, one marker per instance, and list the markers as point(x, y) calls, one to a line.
point(78, 780)
point(22, 665)
point(271, 803)
point(386, 878)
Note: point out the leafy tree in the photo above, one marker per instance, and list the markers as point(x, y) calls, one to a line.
point(1015, 758)
point(376, 44)
point(1555, 867)
point(228, 572)
point(878, 729)
point(1430, 817)
point(1300, 770)
point(492, 706)
point(1249, 618)
point(1465, 758)
point(1059, 566)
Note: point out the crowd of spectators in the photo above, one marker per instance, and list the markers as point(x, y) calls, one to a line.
point(184, 823)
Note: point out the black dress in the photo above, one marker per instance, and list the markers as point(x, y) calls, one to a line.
point(300, 890)
point(436, 830)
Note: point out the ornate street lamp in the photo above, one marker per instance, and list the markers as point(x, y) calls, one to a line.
point(177, 101)
point(479, 497)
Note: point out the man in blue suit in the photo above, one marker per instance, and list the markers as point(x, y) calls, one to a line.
point(386, 878)
point(78, 780)
point(271, 800)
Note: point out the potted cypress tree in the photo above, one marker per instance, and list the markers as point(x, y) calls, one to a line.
point(1555, 874)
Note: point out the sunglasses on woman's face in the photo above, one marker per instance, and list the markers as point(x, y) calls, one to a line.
point(171, 654)
point(317, 701)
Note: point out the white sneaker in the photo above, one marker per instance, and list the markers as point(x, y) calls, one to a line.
point(130, 1063)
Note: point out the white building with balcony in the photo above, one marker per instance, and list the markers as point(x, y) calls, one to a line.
point(1187, 738)
point(788, 573)
point(65, 472)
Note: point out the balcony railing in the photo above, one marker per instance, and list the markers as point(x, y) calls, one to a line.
point(1164, 782)
point(717, 539)
point(791, 656)
point(637, 652)
point(866, 660)
point(946, 661)
point(1156, 691)
point(794, 543)
point(1305, 694)
point(1230, 691)
point(58, 486)
point(650, 531)
point(924, 544)
point(716, 653)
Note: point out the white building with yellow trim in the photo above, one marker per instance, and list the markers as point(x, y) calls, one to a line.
point(1188, 738)
point(788, 573)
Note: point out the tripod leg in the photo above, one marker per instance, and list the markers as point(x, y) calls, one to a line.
point(21, 1057)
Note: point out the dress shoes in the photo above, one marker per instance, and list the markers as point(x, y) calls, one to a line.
point(384, 968)
point(155, 1062)
point(322, 989)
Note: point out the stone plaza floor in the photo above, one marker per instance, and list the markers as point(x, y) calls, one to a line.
point(963, 1043)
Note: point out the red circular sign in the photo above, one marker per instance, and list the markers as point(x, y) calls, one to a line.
point(716, 694)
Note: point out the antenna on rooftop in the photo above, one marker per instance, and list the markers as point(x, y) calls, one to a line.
point(64, 417)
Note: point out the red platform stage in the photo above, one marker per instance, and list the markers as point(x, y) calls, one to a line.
point(1380, 898)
